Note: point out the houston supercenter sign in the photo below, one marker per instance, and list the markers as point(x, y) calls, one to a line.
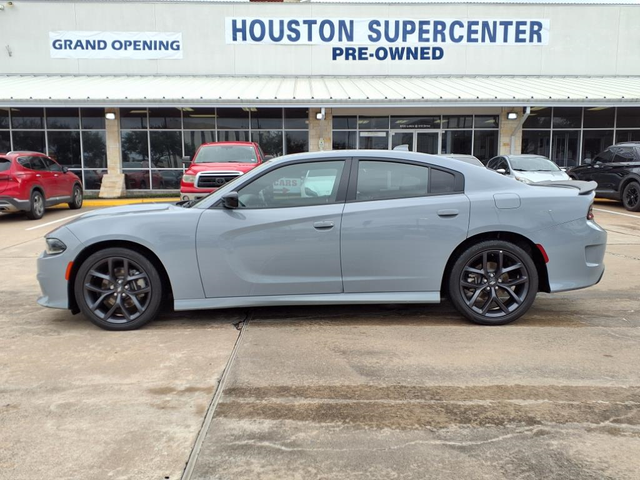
point(364, 39)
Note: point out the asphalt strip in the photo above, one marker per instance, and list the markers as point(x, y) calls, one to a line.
point(204, 429)
point(617, 213)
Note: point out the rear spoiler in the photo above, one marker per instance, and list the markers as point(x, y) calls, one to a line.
point(584, 188)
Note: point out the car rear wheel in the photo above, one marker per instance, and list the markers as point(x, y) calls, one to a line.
point(631, 197)
point(118, 289)
point(76, 199)
point(36, 206)
point(493, 283)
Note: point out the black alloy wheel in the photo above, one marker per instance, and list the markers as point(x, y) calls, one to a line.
point(76, 199)
point(631, 197)
point(118, 289)
point(493, 283)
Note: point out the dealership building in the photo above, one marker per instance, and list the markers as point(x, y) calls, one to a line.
point(119, 92)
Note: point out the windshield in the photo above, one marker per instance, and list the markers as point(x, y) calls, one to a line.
point(226, 154)
point(533, 164)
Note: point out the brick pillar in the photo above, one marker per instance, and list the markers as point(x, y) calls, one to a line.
point(113, 185)
point(320, 130)
point(506, 130)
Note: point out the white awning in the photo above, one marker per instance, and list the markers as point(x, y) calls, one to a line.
point(451, 91)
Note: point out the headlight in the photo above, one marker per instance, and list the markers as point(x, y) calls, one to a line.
point(188, 178)
point(55, 246)
point(523, 180)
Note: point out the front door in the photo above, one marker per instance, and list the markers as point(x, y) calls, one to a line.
point(283, 239)
point(417, 141)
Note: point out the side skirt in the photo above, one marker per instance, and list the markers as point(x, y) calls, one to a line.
point(324, 299)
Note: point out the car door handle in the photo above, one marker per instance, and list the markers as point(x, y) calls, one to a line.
point(448, 212)
point(323, 225)
point(38, 175)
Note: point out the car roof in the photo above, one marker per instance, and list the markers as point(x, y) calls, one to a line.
point(523, 155)
point(15, 153)
point(627, 144)
point(228, 143)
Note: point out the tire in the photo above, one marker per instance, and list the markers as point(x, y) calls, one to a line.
point(490, 303)
point(121, 271)
point(36, 206)
point(77, 199)
point(631, 197)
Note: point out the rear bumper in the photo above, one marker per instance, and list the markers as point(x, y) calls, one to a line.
point(576, 254)
point(11, 204)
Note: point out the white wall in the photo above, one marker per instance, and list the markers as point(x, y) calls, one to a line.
point(584, 40)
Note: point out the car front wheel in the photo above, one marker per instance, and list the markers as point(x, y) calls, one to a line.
point(631, 197)
point(118, 289)
point(493, 283)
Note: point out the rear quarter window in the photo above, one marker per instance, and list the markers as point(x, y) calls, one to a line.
point(5, 164)
point(442, 182)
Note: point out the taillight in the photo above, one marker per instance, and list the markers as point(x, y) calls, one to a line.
point(590, 213)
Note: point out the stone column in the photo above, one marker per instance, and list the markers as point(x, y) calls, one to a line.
point(506, 130)
point(320, 130)
point(113, 185)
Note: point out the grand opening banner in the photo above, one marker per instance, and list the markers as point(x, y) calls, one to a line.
point(116, 45)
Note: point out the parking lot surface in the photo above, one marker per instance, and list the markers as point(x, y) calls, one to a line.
point(324, 392)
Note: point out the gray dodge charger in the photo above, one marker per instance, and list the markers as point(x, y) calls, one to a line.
point(339, 227)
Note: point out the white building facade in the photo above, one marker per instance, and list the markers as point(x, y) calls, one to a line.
point(120, 91)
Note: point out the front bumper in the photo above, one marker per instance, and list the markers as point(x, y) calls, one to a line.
point(52, 270)
point(576, 254)
point(11, 204)
point(193, 193)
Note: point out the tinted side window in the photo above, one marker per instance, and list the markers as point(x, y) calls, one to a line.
point(51, 165)
point(624, 155)
point(5, 164)
point(384, 180)
point(297, 185)
point(442, 182)
point(604, 157)
point(38, 164)
point(25, 162)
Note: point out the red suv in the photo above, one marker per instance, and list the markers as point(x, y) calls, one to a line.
point(215, 164)
point(31, 181)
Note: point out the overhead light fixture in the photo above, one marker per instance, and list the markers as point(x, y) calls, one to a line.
point(110, 116)
point(512, 116)
point(321, 114)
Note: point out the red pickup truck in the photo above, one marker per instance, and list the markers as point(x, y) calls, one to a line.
point(215, 164)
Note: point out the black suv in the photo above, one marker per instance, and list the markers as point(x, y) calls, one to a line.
point(617, 172)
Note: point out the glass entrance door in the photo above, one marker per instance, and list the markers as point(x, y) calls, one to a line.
point(417, 141)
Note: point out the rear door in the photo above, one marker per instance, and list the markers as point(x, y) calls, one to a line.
point(401, 222)
point(38, 174)
point(280, 241)
point(59, 187)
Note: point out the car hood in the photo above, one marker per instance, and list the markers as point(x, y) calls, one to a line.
point(196, 168)
point(137, 208)
point(542, 176)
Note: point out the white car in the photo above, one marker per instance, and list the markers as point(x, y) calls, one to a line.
point(527, 168)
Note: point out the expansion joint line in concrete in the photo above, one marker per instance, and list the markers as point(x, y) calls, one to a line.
point(242, 326)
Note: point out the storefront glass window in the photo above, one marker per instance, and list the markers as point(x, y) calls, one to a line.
point(93, 178)
point(595, 141)
point(233, 136)
point(135, 148)
point(133, 118)
point(92, 118)
point(199, 118)
point(565, 148)
point(567, 117)
point(5, 141)
point(343, 140)
point(26, 140)
point(536, 142)
point(456, 141)
point(165, 118)
point(457, 121)
point(63, 118)
point(598, 117)
point(373, 123)
point(540, 117)
point(296, 141)
point(485, 121)
point(627, 136)
point(269, 141)
point(416, 123)
point(266, 118)
point(628, 117)
point(194, 138)
point(345, 123)
point(166, 149)
point(374, 140)
point(94, 147)
point(233, 118)
point(485, 144)
point(139, 179)
point(64, 147)
point(296, 118)
point(4, 118)
point(31, 118)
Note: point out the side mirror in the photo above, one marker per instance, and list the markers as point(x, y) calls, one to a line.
point(230, 200)
point(586, 161)
point(186, 161)
point(501, 171)
point(64, 169)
